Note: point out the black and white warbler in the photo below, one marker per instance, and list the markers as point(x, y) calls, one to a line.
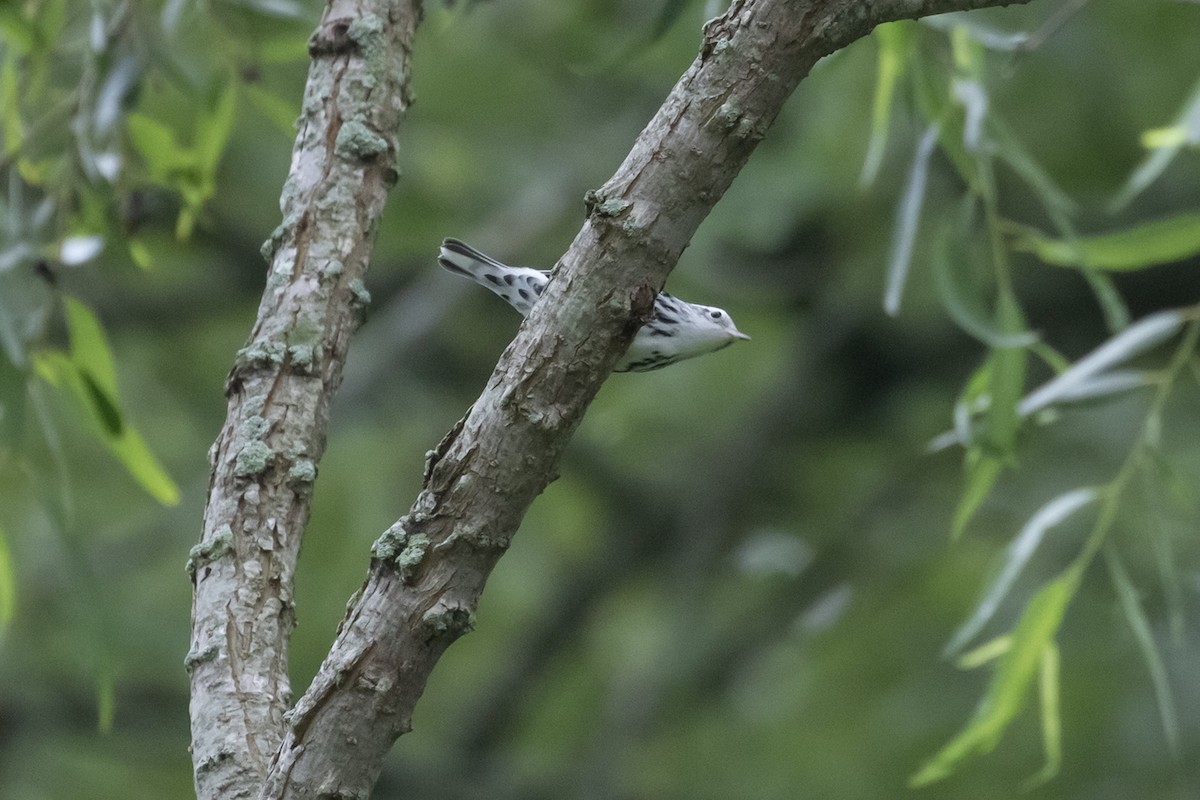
point(676, 329)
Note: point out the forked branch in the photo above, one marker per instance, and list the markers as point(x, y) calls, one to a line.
point(428, 569)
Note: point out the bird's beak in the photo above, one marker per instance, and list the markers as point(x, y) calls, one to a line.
point(740, 335)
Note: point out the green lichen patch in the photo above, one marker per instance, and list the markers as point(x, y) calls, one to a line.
point(303, 338)
point(253, 459)
point(254, 427)
point(301, 356)
point(264, 353)
point(390, 543)
point(357, 141)
point(612, 207)
point(367, 32)
point(448, 620)
point(303, 471)
point(207, 552)
point(271, 245)
point(359, 290)
point(194, 658)
point(401, 549)
point(483, 542)
point(634, 227)
point(333, 268)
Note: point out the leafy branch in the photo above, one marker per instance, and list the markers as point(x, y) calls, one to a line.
point(993, 408)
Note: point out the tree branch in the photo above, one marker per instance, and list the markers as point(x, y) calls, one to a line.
point(264, 460)
point(430, 566)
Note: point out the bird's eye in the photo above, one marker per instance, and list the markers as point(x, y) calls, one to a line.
point(715, 314)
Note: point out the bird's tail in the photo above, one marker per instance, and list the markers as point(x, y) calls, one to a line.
point(519, 286)
point(463, 259)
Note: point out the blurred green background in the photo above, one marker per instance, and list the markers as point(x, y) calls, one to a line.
point(742, 583)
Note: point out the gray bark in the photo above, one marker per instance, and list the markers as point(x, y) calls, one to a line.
point(429, 568)
point(264, 460)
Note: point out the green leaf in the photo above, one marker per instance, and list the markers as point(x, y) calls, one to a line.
point(139, 253)
point(1188, 120)
point(166, 159)
point(141, 464)
point(52, 19)
point(982, 471)
point(122, 78)
point(102, 412)
point(1158, 242)
point(984, 653)
point(1007, 379)
point(1016, 556)
point(908, 217)
point(214, 127)
point(1106, 385)
point(967, 51)
point(1060, 208)
point(185, 223)
point(54, 367)
point(8, 585)
point(1147, 333)
point(896, 41)
point(1131, 606)
point(1058, 204)
point(104, 406)
point(934, 100)
point(1048, 689)
point(1009, 688)
point(1160, 541)
point(20, 34)
point(986, 35)
point(963, 300)
point(57, 495)
point(1116, 313)
point(1052, 358)
point(57, 369)
point(89, 346)
point(1170, 136)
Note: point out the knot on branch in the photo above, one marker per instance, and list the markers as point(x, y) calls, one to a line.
point(301, 474)
point(356, 141)
point(195, 658)
point(641, 304)
point(332, 36)
point(360, 298)
point(448, 619)
point(598, 204)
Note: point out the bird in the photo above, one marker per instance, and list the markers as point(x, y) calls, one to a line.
point(676, 330)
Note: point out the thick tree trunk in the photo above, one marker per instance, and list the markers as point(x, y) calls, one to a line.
point(429, 568)
point(280, 388)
